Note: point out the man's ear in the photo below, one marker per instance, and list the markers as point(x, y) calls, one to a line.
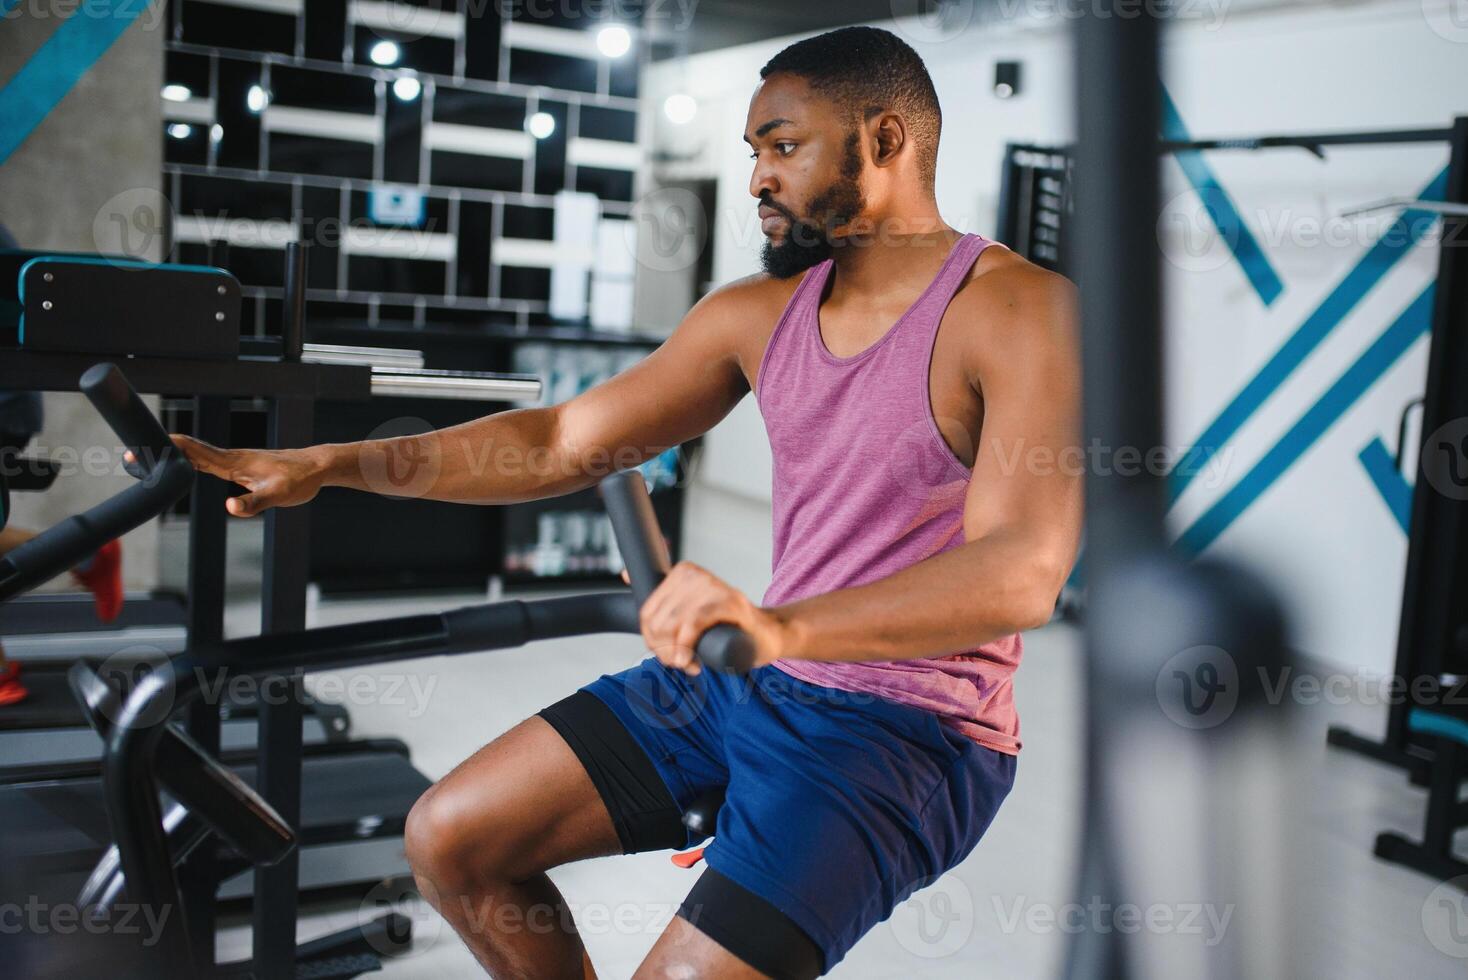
point(888, 136)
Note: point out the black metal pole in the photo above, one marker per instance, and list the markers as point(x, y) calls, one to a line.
point(1116, 261)
point(293, 322)
point(207, 540)
point(280, 710)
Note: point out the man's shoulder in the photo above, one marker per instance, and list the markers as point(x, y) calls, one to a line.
point(756, 293)
point(1004, 286)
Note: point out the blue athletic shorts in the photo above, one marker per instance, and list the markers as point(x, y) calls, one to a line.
point(839, 805)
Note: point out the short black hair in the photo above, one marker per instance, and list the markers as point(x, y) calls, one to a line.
point(867, 70)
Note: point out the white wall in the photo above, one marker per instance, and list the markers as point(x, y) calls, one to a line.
point(1322, 529)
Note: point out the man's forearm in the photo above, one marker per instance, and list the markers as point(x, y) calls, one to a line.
point(955, 601)
point(503, 458)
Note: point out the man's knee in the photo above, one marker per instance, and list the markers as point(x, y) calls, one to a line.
point(453, 842)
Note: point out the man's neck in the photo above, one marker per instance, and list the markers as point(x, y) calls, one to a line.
point(873, 262)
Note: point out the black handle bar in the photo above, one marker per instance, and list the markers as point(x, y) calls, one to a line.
point(722, 647)
point(168, 477)
point(116, 401)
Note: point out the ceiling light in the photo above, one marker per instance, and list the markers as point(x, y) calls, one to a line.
point(407, 88)
point(385, 53)
point(680, 107)
point(613, 41)
point(541, 125)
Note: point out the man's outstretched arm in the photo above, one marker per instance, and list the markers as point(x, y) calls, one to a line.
point(1022, 516)
point(677, 392)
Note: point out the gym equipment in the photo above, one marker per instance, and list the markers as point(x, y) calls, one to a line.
point(353, 799)
point(1433, 633)
point(149, 844)
point(356, 796)
point(46, 634)
point(149, 308)
point(1144, 607)
point(1035, 197)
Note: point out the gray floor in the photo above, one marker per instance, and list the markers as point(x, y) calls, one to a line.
point(1343, 916)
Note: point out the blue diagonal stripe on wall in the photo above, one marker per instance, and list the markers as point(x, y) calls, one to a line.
point(54, 69)
point(1388, 480)
point(1396, 242)
point(1221, 208)
point(1351, 385)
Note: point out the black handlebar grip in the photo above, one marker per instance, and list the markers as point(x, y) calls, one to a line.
point(645, 553)
point(117, 402)
point(726, 647)
point(635, 524)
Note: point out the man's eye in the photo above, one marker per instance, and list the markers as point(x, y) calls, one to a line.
point(785, 152)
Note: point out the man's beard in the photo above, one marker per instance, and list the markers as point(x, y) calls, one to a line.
point(806, 244)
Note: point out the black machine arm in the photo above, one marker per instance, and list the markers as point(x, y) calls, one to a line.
point(724, 647)
point(168, 477)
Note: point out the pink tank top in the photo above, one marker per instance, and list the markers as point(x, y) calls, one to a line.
point(864, 486)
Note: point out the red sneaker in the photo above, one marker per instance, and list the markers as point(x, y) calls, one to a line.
point(11, 689)
point(103, 578)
